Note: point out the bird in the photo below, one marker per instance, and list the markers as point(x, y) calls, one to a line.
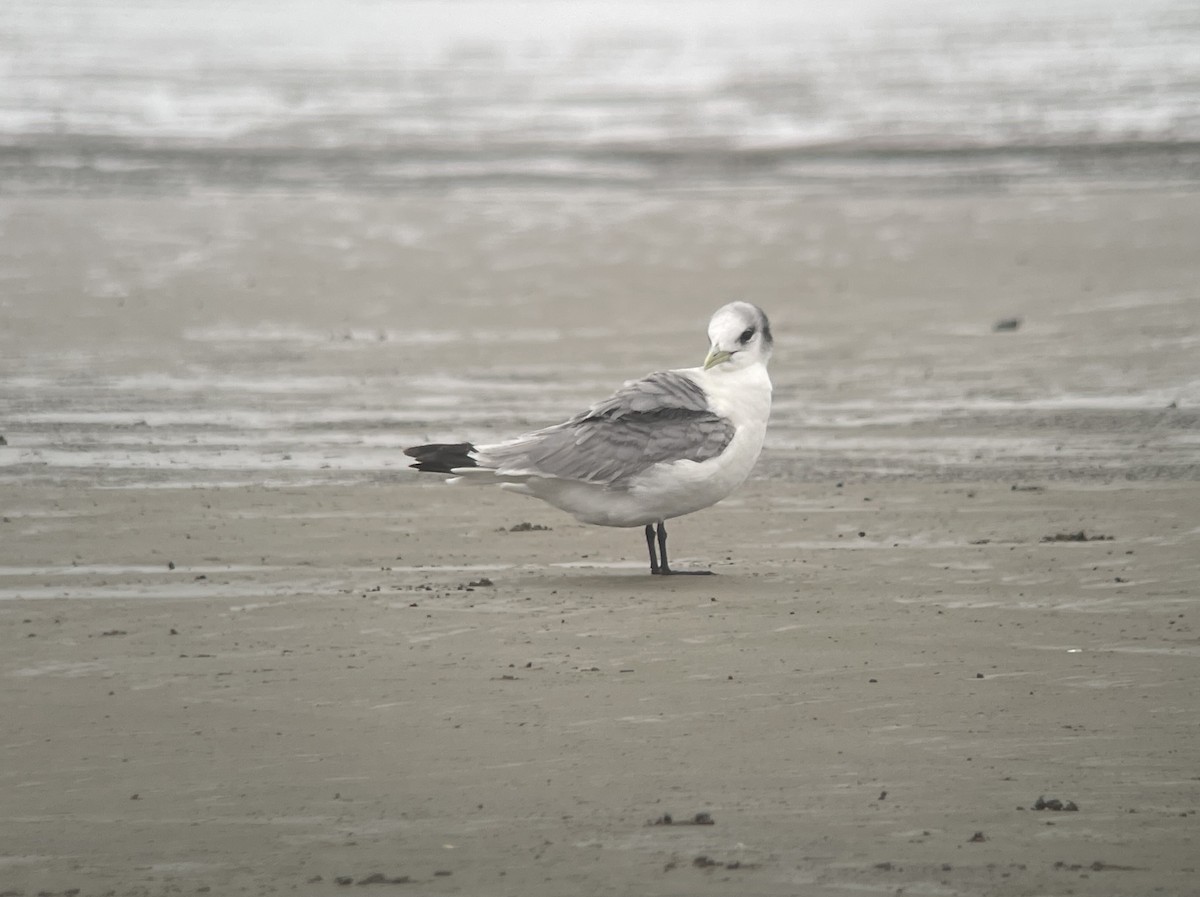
point(668, 444)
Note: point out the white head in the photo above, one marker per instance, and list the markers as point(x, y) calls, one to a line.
point(740, 335)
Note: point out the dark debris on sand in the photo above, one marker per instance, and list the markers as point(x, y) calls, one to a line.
point(1078, 536)
point(1053, 803)
point(699, 819)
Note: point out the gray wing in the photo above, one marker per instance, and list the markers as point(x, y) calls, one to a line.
point(662, 417)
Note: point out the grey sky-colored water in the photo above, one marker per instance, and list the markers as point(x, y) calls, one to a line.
point(255, 342)
point(111, 94)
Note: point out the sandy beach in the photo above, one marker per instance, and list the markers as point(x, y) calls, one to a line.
point(243, 650)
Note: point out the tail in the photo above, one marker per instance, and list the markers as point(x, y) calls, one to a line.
point(442, 457)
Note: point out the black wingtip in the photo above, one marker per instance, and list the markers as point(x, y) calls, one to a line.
point(440, 457)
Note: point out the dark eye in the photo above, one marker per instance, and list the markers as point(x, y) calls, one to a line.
point(746, 335)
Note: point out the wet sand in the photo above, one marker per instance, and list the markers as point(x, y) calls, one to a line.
point(341, 682)
point(964, 578)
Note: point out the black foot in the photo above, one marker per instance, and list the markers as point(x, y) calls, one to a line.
point(658, 560)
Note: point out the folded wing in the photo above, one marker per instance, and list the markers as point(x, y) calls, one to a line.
point(661, 418)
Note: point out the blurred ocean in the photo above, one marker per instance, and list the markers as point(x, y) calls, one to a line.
point(369, 95)
point(156, 329)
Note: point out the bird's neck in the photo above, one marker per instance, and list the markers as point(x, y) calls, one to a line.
point(741, 394)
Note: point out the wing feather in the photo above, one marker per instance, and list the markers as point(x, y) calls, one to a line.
point(661, 418)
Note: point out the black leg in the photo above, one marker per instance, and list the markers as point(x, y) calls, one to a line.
point(650, 545)
point(663, 567)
